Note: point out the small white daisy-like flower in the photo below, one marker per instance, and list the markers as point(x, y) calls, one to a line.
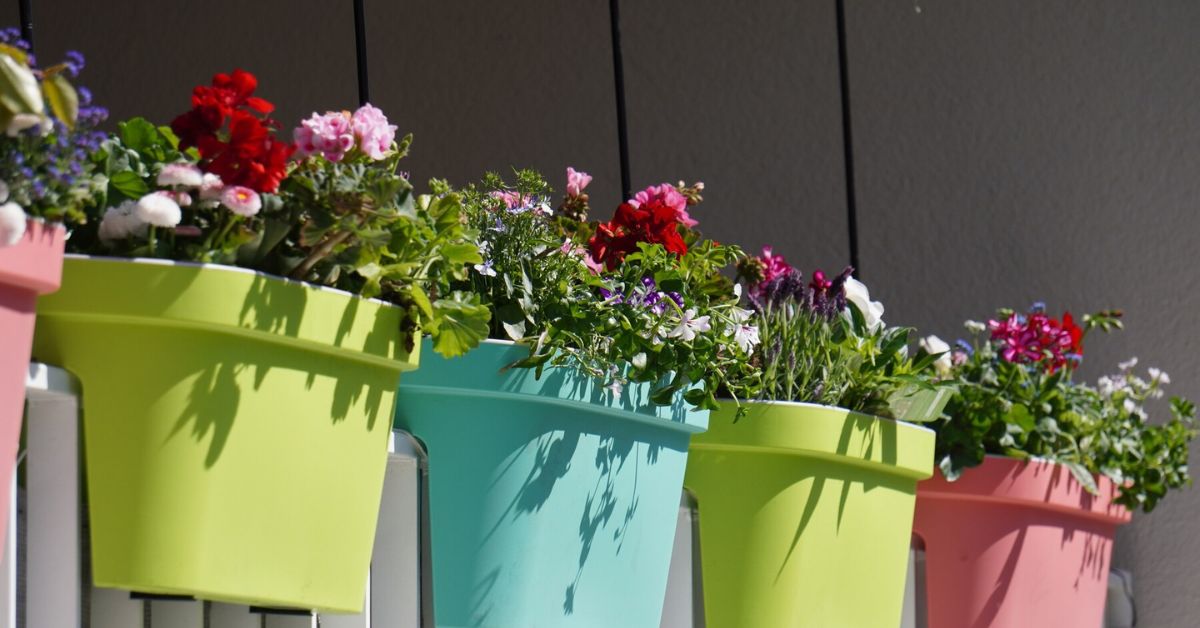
point(975, 327)
point(1127, 364)
point(158, 209)
point(120, 222)
point(241, 200)
point(12, 224)
point(182, 175)
point(211, 187)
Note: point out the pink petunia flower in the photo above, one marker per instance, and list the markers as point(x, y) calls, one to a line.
point(577, 181)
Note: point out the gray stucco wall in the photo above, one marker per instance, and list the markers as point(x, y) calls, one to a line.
point(1006, 151)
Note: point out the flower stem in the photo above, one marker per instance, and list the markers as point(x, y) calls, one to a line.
point(318, 254)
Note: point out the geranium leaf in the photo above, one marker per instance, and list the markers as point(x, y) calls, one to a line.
point(460, 323)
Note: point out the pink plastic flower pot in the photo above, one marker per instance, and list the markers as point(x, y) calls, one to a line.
point(31, 267)
point(1015, 544)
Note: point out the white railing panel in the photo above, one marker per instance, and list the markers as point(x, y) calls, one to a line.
point(679, 607)
point(112, 608)
point(52, 572)
point(289, 621)
point(232, 616)
point(176, 614)
point(8, 566)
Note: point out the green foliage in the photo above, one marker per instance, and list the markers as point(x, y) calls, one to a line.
point(612, 325)
point(43, 148)
point(841, 361)
point(1022, 410)
point(353, 225)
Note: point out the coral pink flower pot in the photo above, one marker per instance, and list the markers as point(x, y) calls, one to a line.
point(1015, 544)
point(31, 267)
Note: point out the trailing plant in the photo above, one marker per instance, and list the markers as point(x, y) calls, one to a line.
point(212, 188)
point(824, 341)
point(1017, 397)
point(638, 298)
point(49, 129)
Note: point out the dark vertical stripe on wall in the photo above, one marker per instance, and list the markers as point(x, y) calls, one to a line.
point(26, 10)
point(847, 138)
point(614, 11)
point(360, 52)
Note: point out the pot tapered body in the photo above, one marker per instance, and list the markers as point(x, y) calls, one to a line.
point(29, 268)
point(553, 501)
point(805, 515)
point(1013, 544)
point(235, 428)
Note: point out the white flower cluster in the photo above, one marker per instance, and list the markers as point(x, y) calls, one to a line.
point(12, 219)
point(163, 208)
point(1132, 390)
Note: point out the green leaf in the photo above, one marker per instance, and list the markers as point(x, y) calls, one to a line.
point(138, 134)
point(19, 91)
point(1020, 416)
point(422, 300)
point(462, 253)
point(129, 184)
point(1085, 477)
point(459, 324)
point(61, 97)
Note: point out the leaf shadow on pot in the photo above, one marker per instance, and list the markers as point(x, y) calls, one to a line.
point(216, 363)
point(558, 449)
point(871, 432)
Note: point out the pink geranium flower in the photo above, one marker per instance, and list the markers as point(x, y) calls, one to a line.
point(329, 135)
point(374, 133)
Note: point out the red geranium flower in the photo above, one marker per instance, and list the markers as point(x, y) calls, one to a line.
point(228, 125)
point(653, 221)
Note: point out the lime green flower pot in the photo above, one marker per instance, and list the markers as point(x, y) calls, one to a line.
point(235, 427)
point(805, 515)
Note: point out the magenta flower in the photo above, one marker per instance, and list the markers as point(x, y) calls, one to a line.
point(374, 133)
point(329, 135)
point(577, 181)
point(668, 195)
point(773, 265)
point(1038, 338)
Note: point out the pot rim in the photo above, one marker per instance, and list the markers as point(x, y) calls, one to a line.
point(809, 404)
point(156, 261)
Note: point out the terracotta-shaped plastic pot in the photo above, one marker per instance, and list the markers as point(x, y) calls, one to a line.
point(31, 267)
point(1014, 543)
point(235, 428)
point(552, 501)
point(805, 515)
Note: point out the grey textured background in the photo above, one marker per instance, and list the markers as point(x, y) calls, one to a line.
point(1005, 151)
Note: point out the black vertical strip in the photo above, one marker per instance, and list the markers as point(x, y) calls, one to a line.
point(360, 52)
point(26, 9)
point(614, 10)
point(847, 138)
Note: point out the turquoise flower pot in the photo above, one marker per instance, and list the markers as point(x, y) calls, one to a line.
point(552, 503)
